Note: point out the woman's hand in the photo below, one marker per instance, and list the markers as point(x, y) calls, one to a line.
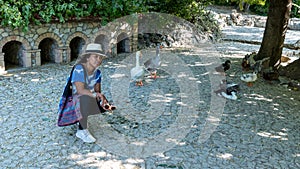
point(100, 96)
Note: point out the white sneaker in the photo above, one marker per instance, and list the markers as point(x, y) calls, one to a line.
point(85, 136)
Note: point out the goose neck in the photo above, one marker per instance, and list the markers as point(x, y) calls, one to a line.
point(137, 60)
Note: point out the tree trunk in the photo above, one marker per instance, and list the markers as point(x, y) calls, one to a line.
point(274, 34)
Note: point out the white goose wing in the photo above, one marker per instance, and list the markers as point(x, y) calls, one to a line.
point(137, 73)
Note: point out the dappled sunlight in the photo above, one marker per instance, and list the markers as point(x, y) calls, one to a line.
point(251, 102)
point(204, 74)
point(35, 80)
point(29, 73)
point(184, 95)
point(99, 160)
point(118, 75)
point(139, 143)
point(240, 115)
point(158, 98)
point(281, 134)
point(6, 75)
point(200, 64)
point(232, 48)
point(182, 104)
point(192, 79)
point(175, 141)
point(166, 65)
point(213, 119)
point(182, 75)
point(20, 73)
point(277, 135)
point(225, 156)
point(258, 97)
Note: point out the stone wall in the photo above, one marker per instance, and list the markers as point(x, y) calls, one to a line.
point(54, 41)
point(57, 42)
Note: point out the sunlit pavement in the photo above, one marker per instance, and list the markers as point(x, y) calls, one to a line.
point(259, 130)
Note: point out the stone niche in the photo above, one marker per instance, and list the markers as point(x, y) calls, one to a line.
point(14, 54)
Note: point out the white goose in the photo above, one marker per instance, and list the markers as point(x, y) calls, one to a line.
point(152, 64)
point(137, 73)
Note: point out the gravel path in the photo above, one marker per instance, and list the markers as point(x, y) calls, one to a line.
point(176, 121)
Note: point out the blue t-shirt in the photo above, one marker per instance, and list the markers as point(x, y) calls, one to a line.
point(78, 76)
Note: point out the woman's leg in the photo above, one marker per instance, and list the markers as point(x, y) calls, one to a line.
point(88, 106)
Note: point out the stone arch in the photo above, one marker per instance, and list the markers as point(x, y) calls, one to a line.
point(123, 44)
point(21, 39)
point(77, 34)
point(75, 44)
point(55, 48)
point(119, 30)
point(13, 54)
point(102, 32)
point(103, 40)
point(106, 38)
point(48, 35)
point(21, 57)
point(49, 51)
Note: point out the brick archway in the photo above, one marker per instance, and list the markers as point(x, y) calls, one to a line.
point(59, 51)
point(102, 37)
point(123, 42)
point(74, 45)
point(119, 28)
point(77, 34)
point(26, 57)
point(48, 35)
point(21, 39)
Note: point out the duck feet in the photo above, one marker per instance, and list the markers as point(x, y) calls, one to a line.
point(139, 83)
point(154, 76)
point(250, 84)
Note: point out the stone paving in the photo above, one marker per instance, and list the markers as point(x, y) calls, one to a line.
point(255, 34)
point(176, 121)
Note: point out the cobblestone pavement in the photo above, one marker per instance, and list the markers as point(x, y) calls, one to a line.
point(196, 129)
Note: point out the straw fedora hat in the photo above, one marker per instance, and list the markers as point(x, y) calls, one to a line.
point(94, 48)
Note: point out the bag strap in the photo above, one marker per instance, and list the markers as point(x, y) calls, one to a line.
point(69, 84)
point(85, 76)
point(68, 88)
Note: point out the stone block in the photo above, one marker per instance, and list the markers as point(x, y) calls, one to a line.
point(26, 59)
point(294, 24)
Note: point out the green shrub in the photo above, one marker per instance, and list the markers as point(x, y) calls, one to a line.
point(295, 12)
point(21, 13)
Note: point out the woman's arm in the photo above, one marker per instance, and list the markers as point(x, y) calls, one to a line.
point(82, 90)
point(97, 89)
